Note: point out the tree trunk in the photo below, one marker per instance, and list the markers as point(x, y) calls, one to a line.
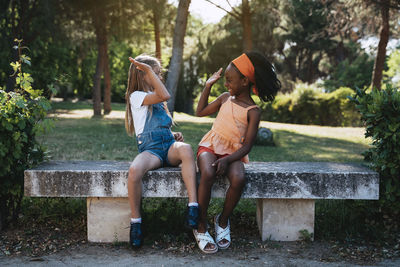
point(299, 59)
point(2, 211)
point(310, 68)
point(383, 41)
point(156, 24)
point(101, 39)
point(177, 51)
point(339, 53)
point(246, 24)
point(107, 82)
point(96, 95)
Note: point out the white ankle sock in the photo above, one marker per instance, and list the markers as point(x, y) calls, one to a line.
point(195, 204)
point(136, 220)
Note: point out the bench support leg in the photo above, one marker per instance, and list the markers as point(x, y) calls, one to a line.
point(277, 219)
point(108, 219)
point(282, 219)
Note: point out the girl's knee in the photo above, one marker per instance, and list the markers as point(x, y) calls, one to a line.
point(135, 174)
point(237, 180)
point(185, 151)
point(207, 176)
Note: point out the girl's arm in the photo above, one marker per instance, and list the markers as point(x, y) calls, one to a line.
point(253, 116)
point(161, 93)
point(203, 107)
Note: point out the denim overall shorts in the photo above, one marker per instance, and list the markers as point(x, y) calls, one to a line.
point(156, 137)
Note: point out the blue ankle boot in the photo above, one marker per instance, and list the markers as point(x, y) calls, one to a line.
point(136, 235)
point(192, 217)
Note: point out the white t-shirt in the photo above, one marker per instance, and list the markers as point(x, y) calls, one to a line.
point(139, 111)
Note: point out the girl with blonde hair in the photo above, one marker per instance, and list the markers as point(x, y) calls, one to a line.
point(147, 116)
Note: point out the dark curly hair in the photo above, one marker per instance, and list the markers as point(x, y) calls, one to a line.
point(267, 82)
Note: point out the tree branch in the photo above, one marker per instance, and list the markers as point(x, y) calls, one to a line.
point(395, 5)
point(229, 3)
point(234, 14)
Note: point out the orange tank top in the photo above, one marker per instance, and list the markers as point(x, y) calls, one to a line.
point(229, 129)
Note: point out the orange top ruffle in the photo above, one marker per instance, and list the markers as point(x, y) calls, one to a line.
point(227, 133)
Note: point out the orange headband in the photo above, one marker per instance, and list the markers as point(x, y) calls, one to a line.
point(244, 65)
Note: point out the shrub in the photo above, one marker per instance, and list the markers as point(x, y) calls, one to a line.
point(309, 105)
point(305, 108)
point(340, 109)
point(380, 110)
point(21, 112)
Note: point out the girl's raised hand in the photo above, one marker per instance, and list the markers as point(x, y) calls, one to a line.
point(214, 78)
point(141, 66)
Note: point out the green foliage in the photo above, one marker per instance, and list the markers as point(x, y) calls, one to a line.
point(305, 39)
point(354, 71)
point(380, 110)
point(306, 236)
point(309, 105)
point(349, 219)
point(119, 66)
point(393, 71)
point(22, 116)
point(58, 209)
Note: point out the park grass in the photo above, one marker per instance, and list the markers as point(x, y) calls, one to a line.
point(79, 136)
point(106, 139)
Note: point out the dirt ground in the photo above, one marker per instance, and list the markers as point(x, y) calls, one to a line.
point(94, 255)
point(63, 243)
point(244, 252)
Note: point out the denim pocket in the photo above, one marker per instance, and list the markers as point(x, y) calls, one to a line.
point(142, 142)
point(149, 142)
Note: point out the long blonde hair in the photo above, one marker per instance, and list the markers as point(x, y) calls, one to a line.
point(136, 82)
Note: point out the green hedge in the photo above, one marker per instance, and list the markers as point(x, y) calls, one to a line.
point(309, 106)
point(380, 111)
point(21, 114)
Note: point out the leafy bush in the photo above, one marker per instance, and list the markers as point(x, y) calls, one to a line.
point(380, 110)
point(21, 111)
point(309, 105)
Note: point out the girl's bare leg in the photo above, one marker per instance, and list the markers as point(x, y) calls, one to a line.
point(182, 153)
point(237, 182)
point(143, 162)
point(204, 191)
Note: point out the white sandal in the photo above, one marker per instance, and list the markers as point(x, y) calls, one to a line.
point(203, 239)
point(222, 233)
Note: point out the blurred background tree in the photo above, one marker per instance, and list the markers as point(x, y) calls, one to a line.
point(81, 47)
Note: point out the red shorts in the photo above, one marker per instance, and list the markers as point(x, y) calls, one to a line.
point(202, 149)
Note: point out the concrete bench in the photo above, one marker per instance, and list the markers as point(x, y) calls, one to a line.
point(285, 192)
